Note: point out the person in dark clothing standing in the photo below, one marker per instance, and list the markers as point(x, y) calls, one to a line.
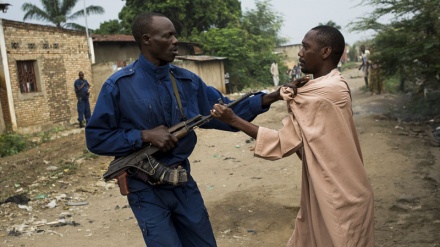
point(82, 87)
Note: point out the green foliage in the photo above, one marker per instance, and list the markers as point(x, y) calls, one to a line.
point(247, 40)
point(44, 136)
point(424, 109)
point(12, 143)
point(68, 167)
point(354, 51)
point(249, 47)
point(59, 12)
point(89, 155)
point(189, 16)
point(408, 47)
point(392, 84)
point(331, 24)
point(263, 23)
point(109, 27)
point(349, 65)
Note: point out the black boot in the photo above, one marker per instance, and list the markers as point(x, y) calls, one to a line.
point(81, 125)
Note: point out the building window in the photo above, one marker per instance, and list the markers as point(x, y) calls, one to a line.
point(56, 45)
point(15, 45)
point(27, 78)
point(31, 46)
point(45, 46)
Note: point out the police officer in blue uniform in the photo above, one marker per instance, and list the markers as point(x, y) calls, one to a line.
point(82, 95)
point(137, 105)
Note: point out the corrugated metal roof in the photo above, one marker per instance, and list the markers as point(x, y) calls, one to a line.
point(126, 38)
point(200, 58)
point(288, 45)
point(112, 38)
point(28, 25)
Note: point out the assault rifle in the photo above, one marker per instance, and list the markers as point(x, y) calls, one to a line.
point(144, 161)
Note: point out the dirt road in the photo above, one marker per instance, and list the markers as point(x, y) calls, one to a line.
point(251, 202)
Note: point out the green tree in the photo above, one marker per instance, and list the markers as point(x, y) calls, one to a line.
point(247, 40)
point(58, 12)
point(409, 45)
point(249, 47)
point(331, 24)
point(109, 27)
point(263, 22)
point(189, 16)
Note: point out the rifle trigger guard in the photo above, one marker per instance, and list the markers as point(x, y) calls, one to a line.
point(153, 169)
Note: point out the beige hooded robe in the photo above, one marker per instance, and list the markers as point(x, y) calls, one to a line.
point(336, 207)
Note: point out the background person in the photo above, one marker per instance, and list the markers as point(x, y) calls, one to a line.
point(376, 80)
point(82, 88)
point(336, 207)
point(297, 72)
point(293, 73)
point(364, 65)
point(275, 73)
point(227, 83)
point(136, 106)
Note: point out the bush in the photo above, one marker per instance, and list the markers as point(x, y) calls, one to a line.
point(424, 109)
point(12, 143)
point(392, 84)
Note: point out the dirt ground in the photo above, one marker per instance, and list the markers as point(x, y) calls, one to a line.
point(251, 202)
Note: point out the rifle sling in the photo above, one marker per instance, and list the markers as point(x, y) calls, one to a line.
point(176, 93)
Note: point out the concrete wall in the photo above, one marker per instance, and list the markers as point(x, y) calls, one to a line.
point(101, 72)
point(58, 56)
point(289, 54)
point(114, 52)
point(2, 102)
point(110, 57)
point(212, 72)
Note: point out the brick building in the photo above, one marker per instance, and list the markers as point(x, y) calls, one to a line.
point(39, 65)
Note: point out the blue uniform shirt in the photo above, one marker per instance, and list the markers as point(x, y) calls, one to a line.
point(84, 91)
point(140, 96)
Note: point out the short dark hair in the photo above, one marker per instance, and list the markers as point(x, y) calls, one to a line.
point(142, 25)
point(330, 36)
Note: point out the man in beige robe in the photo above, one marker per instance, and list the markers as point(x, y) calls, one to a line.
point(336, 207)
point(275, 73)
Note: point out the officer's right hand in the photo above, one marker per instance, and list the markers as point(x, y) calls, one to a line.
point(160, 137)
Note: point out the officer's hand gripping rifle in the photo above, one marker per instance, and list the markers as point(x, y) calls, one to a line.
point(144, 161)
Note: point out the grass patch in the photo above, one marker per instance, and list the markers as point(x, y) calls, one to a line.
point(88, 155)
point(68, 167)
point(350, 65)
point(12, 143)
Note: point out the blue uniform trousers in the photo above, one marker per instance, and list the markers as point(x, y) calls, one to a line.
point(83, 107)
point(171, 216)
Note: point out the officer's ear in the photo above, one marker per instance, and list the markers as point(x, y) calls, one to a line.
point(146, 39)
